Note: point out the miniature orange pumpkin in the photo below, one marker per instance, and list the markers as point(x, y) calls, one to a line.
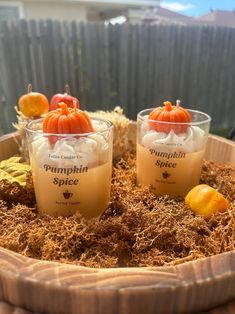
point(172, 114)
point(33, 104)
point(205, 200)
point(66, 120)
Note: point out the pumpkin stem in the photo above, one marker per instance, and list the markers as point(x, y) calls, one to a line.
point(64, 108)
point(67, 89)
point(30, 88)
point(221, 184)
point(168, 105)
point(74, 105)
point(178, 103)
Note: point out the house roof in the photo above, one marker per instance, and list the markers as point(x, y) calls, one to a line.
point(161, 15)
point(107, 2)
point(219, 17)
point(111, 8)
point(175, 16)
point(125, 2)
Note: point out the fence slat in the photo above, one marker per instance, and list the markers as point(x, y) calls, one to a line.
point(134, 66)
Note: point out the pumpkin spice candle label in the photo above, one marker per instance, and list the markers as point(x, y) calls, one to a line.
point(170, 147)
point(71, 160)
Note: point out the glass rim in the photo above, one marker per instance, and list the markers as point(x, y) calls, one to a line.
point(108, 123)
point(143, 118)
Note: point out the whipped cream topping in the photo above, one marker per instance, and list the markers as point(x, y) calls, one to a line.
point(85, 151)
point(192, 140)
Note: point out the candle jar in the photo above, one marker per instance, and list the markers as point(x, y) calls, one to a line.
point(71, 172)
point(170, 154)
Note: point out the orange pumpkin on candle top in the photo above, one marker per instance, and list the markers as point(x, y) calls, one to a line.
point(172, 114)
point(66, 120)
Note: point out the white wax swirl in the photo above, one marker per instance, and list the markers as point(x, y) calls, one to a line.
point(192, 140)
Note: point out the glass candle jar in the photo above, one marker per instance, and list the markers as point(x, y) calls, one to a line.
point(71, 172)
point(170, 154)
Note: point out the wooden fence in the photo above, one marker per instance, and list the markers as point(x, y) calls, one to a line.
point(134, 66)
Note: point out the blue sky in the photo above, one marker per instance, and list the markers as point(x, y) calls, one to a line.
point(197, 7)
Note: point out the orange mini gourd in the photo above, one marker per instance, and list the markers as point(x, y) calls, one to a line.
point(33, 104)
point(169, 113)
point(66, 120)
point(205, 200)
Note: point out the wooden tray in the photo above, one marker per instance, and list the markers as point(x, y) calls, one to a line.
point(32, 286)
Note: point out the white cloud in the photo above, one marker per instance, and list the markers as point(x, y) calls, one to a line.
point(176, 6)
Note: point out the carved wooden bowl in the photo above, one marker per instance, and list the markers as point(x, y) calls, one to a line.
point(32, 286)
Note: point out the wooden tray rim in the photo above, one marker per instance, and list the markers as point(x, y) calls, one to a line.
point(213, 273)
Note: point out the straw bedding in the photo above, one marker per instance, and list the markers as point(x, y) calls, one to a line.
point(137, 229)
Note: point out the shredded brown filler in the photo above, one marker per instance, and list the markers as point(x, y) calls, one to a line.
point(137, 229)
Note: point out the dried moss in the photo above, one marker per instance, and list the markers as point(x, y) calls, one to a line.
point(137, 229)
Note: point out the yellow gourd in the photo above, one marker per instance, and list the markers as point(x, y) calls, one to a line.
point(13, 170)
point(205, 200)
